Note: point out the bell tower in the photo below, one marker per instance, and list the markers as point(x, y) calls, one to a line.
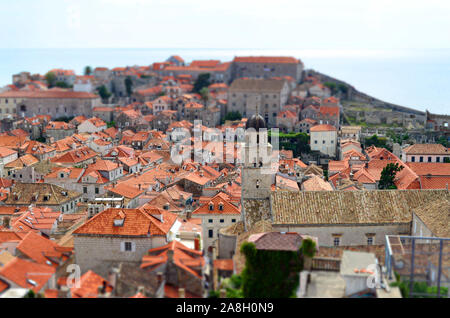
point(257, 175)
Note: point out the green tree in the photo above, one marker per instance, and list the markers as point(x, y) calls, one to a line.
point(62, 84)
point(129, 85)
point(204, 93)
point(87, 70)
point(443, 141)
point(342, 88)
point(388, 176)
point(30, 294)
point(325, 174)
point(376, 141)
point(234, 115)
point(269, 274)
point(202, 81)
point(103, 92)
point(447, 160)
point(332, 86)
point(111, 124)
point(50, 77)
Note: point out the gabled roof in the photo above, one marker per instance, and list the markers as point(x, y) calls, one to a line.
point(42, 250)
point(427, 149)
point(213, 206)
point(277, 241)
point(183, 257)
point(89, 284)
point(27, 274)
point(324, 127)
point(75, 156)
point(136, 222)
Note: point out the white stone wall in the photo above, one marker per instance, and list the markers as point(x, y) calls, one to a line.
point(215, 226)
point(324, 141)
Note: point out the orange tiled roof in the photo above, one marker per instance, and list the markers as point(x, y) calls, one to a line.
point(427, 149)
point(183, 257)
point(224, 264)
point(27, 274)
point(213, 206)
point(89, 284)
point(430, 168)
point(136, 222)
point(55, 94)
point(324, 127)
point(42, 250)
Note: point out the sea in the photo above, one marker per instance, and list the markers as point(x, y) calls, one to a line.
point(413, 78)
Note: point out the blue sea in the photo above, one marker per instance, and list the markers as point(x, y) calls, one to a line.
point(414, 78)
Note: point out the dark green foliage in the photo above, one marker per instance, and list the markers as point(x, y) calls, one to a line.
point(308, 248)
point(111, 124)
point(65, 119)
point(398, 138)
point(388, 176)
point(87, 70)
point(269, 274)
point(325, 174)
point(129, 85)
point(30, 294)
point(103, 92)
point(50, 77)
point(41, 139)
point(234, 289)
point(443, 141)
point(447, 160)
point(376, 141)
point(62, 85)
point(297, 142)
point(213, 294)
point(204, 92)
point(342, 88)
point(418, 287)
point(332, 86)
point(233, 116)
point(202, 81)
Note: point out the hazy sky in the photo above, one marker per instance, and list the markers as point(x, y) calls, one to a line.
point(280, 24)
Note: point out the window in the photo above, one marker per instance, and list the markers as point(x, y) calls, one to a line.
point(96, 190)
point(210, 233)
point(323, 141)
point(127, 247)
point(315, 141)
point(210, 221)
point(370, 240)
point(413, 159)
point(421, 159)
point(438, 159)
point(222, 220)
point(429, 159)
point(336, 241)
point(211, 207)
point(221, 207)
point(233, 220)
point(84, 189)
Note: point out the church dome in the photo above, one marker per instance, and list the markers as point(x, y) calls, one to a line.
point(257, 122)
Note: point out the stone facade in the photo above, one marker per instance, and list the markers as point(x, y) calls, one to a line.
point(252, 96)
point(101, 253)
point(53, 103)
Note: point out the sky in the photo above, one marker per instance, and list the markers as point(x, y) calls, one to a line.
point(265, 24)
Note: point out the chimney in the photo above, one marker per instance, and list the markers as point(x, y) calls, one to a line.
point(181, 293)
point(188, 215)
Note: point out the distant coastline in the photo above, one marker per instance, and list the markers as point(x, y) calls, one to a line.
point(416, 79)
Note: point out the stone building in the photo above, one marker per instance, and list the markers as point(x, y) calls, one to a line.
point(267, 67)
point(324, 139)
point(55, 103)
point(44, 195)
point(57, 130)
point(216, 214)
point(121, 235)
point(264, 96)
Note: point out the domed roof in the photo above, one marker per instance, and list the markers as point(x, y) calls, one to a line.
point(257, 122)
